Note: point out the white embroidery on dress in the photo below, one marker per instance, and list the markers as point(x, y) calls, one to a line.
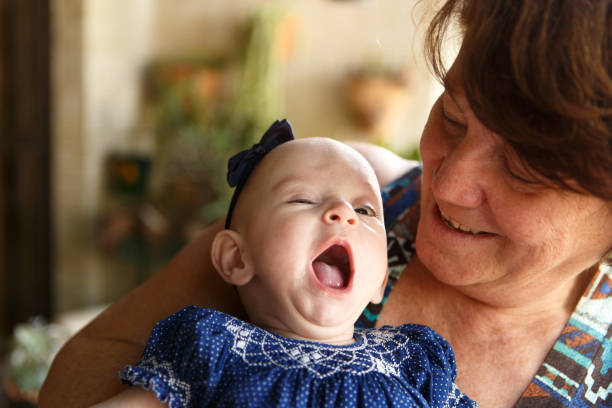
point(380, 350)
point(456, 398)
point(162, 369)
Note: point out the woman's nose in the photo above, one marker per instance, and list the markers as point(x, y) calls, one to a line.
point(459, 177)
point(340, 212)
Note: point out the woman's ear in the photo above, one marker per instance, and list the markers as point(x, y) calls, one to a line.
point(378, 296)
point(229, 259)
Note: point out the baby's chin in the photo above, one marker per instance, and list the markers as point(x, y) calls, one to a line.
point(300, 328)
point(324, 335)
point(322, 319)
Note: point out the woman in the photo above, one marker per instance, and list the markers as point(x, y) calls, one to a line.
point(514, 209)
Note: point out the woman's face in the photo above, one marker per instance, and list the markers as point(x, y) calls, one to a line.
point(486, 231)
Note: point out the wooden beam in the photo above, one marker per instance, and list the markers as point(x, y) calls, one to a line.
point(25, 184)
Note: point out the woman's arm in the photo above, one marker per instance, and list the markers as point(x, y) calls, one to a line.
point(387, 165)
point(135, 397)
point(86, 369)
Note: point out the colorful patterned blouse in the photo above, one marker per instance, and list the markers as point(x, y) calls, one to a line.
point(577, 371)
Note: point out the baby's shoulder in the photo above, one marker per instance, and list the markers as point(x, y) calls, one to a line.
point(193, 329)
point(421, 345)
point(193, 318)
point(406, 333)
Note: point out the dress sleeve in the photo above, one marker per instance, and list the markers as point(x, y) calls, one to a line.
point(432, 368)
point(179, 363)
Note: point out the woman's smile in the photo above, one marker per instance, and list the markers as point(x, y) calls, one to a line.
point(445, 228)
point(458, 226)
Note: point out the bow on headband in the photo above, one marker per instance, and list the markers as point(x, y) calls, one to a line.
point(240, 166)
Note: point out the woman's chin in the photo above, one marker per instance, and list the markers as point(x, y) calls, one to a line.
point(444, 268)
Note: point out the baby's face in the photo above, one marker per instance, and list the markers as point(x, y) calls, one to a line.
point(315, 235)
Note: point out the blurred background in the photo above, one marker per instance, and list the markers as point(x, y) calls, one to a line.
point(117, 119)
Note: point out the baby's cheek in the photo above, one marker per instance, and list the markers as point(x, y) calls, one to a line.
point(375, 253)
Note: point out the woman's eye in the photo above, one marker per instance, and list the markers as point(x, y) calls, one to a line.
point(526, 180)
point(455, 124)
point(369, 211)
point(519, 170)
point(449, 114)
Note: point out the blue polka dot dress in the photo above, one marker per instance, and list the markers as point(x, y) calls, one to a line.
point(200, 357)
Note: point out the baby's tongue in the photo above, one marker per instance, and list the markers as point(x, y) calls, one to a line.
point(328, 275)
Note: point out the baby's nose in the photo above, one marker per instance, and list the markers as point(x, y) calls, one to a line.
point(340, 212)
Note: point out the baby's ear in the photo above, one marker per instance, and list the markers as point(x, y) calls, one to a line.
point(378, 296)
point(228, 258)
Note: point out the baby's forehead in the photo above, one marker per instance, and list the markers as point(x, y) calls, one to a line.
point(311, 145)
point(312, 159)
point(314, 152)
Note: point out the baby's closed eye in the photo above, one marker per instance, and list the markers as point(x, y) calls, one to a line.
point(301, 200)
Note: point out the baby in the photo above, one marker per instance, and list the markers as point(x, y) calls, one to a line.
point(305, 247)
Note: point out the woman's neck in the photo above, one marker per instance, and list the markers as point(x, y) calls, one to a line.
point(419, 297)
point(502, 344)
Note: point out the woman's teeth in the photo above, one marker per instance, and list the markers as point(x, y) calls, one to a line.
point(455, 225)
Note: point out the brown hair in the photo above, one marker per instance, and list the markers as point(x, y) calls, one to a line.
point(538, 72)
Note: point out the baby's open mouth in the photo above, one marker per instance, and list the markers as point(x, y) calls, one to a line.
point(333, 267)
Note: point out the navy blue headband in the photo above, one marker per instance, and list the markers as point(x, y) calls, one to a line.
point(240, 166)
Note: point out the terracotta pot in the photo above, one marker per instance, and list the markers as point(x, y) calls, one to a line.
point(377, 103)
